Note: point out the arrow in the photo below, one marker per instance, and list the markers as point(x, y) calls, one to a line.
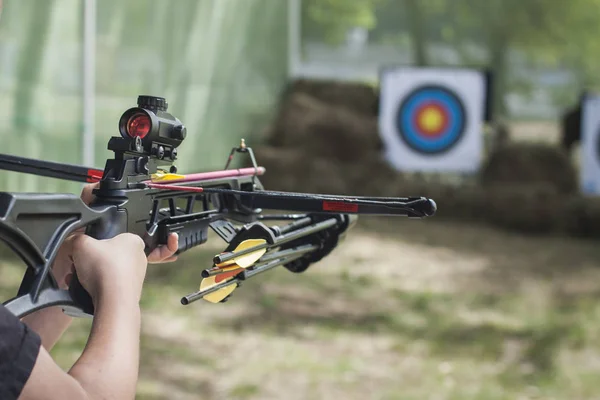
point(218, 295)
point(227, 270)
point(285, 238)
point(244, 260)
point(206, 176)
point(216, 292)
point(79, 173)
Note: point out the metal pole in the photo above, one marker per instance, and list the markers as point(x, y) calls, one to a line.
point(89, 80)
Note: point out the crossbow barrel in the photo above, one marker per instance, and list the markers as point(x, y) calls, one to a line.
point(139, 191)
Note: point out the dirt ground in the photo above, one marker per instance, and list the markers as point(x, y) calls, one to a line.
point(403, 309)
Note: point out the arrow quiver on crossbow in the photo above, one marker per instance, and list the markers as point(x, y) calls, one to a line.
point(140, 192)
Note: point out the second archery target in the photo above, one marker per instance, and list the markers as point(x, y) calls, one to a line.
point(432, 118)
point(590, 146)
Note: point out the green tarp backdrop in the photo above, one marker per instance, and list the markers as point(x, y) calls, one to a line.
point(219, 63)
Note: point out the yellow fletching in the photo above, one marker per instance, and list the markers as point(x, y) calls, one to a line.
point(225, 264)
point(243, 261)
point(161, 176)
point(249, 259)
point(216, 297)
point(246, 260)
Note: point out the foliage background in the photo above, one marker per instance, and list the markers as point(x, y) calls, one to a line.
point(539, 51)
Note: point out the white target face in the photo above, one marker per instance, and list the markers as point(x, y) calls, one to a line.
point(431, 119)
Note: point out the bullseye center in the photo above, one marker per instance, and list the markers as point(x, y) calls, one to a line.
point(431, 120)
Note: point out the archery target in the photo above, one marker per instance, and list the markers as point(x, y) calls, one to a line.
point(590, 147)
point(432, 119)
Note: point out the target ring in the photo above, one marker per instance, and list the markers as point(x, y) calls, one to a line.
point(431, 120)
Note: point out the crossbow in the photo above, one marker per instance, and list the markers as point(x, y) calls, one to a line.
point(140, 192)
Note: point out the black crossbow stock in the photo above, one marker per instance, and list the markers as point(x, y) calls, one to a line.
point(140, 192)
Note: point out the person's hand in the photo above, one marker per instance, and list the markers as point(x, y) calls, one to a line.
point(161, 254)
point(113, 268)
point(62, 264)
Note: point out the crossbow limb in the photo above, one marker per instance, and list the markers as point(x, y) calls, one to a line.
point(141, 192)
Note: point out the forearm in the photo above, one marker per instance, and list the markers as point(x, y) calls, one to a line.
point(50, 323)
point(109, 365)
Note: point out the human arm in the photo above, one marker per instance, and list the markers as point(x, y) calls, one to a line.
point(112, 271)
point(50, 323)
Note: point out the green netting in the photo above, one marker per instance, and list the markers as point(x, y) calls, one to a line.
point(219, 63)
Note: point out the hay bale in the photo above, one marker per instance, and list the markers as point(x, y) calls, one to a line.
point(530, 163)
point(582, 217)
point(325, 176)
point(462, 203)
point(324, 130)
point(354, 96)
point(528, 208)
point(281, 167)
point(295, 171)
point(373, 176)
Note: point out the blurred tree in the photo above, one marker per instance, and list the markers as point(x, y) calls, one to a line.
point(534, 28)
point(411, 19)
point(388, 21)
point(330, 20)
point(418, 31)
point(579, 44)
point(498, 34)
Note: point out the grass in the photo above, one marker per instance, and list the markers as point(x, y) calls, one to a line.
point(415, 310)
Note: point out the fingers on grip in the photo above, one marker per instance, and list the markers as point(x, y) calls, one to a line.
point(86, 194)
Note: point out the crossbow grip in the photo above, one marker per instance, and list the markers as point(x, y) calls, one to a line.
point(105, 230)
point(82, 298)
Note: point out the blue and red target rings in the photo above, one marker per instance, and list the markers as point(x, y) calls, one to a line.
point(431, 119)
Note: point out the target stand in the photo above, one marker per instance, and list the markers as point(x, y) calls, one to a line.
point(432, 119)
